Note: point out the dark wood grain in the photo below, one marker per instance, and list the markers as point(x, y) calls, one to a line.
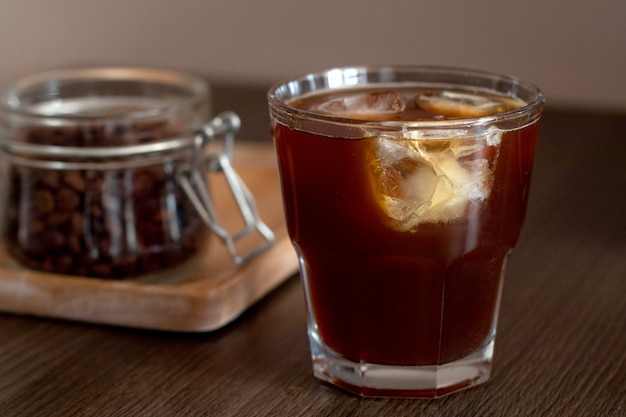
point(560, 350)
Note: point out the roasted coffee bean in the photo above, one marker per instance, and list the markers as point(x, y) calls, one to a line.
point(43, 202)
point(58, 218)
point(74, 180)
point(47, 178)
point(66, 199)
point(112, 224)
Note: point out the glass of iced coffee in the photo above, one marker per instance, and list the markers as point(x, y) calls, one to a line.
point(404, 191)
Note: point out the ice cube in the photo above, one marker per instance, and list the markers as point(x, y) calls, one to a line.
point(431, 180)
point(458, 104)
point(374, 105)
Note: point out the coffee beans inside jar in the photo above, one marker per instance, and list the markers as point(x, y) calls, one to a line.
point(77, 202)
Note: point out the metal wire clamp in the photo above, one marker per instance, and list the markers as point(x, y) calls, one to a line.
point(193, 180)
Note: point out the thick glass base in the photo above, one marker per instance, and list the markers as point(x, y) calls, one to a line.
point(427, 381)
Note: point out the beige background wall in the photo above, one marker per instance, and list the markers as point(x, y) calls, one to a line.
point(574, 49)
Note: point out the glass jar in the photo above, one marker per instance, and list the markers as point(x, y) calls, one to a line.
point(104, 171)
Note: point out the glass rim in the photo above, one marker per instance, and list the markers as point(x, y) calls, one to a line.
point(11, 105)
point(348, 77)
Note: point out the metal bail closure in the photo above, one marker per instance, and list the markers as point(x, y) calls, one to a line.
point(193, 179)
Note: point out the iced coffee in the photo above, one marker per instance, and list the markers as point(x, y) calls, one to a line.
point(404, 192)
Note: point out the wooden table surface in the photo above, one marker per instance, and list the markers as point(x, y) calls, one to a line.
point(560, 350)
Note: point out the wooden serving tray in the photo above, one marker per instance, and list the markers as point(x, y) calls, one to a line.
point(205, 294)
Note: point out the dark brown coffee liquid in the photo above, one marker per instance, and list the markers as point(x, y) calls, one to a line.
point(379, 294)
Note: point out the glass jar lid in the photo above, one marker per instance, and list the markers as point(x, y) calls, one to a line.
point(117, 109)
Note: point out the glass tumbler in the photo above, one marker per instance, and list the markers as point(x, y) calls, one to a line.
point(405, 189)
